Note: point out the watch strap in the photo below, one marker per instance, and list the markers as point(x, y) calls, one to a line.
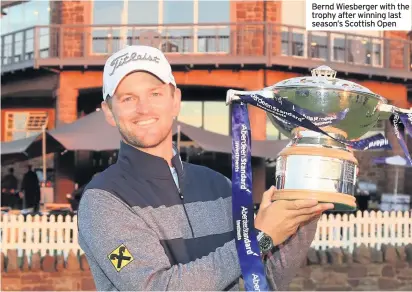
point(265, 242)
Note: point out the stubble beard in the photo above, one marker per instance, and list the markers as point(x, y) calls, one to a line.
point(133, 141)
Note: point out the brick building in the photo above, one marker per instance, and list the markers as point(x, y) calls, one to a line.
point(54, 52)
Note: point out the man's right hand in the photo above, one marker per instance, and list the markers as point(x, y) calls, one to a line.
point(281, 219)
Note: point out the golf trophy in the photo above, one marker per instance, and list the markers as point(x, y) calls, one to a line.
point(324, 117)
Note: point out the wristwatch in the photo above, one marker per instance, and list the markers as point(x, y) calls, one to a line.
point(265, 242)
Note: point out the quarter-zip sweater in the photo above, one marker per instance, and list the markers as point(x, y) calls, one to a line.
point(140, 231)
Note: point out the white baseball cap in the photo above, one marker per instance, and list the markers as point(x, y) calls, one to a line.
point(131, 59)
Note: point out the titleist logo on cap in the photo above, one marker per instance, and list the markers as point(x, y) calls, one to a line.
point(125, 58)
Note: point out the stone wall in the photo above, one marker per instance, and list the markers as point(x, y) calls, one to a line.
point(365, 269)
point(332, 270)
point(48, 273)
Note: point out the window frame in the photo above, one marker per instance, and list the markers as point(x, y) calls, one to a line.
point(375, 41)
point(157, 27)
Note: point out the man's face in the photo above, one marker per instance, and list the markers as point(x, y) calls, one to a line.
point(143, 108)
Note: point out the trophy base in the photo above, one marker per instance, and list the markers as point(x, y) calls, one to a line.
point(342, 202)
point(316, 167)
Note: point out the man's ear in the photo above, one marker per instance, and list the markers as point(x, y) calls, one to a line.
point(177, 98)
point(108, 114)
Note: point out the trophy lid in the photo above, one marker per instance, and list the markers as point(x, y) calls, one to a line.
point(324, 77)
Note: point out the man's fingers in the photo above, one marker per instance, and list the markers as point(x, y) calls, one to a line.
point(314, 209)
point(300, 204)
point(267, 197)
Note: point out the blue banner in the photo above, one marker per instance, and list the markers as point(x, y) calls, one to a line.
point(242, 202)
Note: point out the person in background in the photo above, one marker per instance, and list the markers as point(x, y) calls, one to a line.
point(30, 190)
point(8, 189)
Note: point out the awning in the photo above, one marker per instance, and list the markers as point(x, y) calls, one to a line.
point(93, 133)
point(17, 146)
point(90, 132)
point(27, 148)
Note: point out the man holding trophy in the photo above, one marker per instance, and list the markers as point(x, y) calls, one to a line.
point(153, 222)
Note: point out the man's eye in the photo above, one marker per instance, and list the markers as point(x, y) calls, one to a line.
point(155, 94)
point(127, 98)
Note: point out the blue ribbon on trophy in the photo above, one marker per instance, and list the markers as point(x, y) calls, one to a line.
point(242, 202)
point(291, 116)
point(286, 110)
point(406, 120)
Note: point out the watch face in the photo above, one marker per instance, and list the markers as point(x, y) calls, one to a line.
point(265, 243)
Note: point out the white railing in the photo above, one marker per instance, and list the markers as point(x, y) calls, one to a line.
point(370, 228)
point(59, 233)
point(39, 234)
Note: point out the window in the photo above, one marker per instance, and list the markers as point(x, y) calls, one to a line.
point(213, 116)
point(110, 13)
point(319, 47)
point(25, 15)
point(212, 39)
point(360, 50)
point(143, 12)
point(213, 11)
point(21, 125)
point(160, 17)
point(178, 11)
point(293, 44)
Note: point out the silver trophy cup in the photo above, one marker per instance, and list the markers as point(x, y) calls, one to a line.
point(314, 165)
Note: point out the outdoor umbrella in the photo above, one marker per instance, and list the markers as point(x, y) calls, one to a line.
point(27, 148)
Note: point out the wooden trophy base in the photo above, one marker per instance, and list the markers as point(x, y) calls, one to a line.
point(342, 202)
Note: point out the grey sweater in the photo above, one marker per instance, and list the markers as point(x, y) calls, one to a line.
point(141, 232)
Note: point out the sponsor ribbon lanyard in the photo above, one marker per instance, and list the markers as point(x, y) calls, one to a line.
point(291, 114)
point(242, 202)
point(406, 120)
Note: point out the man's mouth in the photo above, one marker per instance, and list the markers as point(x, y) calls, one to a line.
point(145, 122)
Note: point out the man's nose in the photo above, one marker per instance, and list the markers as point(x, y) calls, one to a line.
point(143, 105)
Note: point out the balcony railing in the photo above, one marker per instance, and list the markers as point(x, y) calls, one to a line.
point(241, 44)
